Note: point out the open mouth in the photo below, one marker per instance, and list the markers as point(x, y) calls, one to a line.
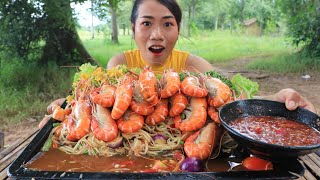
point(156, 49)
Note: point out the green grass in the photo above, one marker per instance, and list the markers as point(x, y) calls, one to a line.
point(102, 48)
point(290, 63)
point(213, 46)
point(273, 53)
point(25, 93)
point(220, 46)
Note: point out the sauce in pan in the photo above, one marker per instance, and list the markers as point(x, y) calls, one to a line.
point(56, 160)
point(276, 130)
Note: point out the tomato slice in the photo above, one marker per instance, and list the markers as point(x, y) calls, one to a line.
point(257, 164)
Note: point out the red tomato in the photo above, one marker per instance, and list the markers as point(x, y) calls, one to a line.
point(257, 164)
point(258, 130)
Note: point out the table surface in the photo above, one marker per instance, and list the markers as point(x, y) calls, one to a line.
point(310, 162)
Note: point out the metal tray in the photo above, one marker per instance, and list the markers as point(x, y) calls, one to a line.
point(17, 170)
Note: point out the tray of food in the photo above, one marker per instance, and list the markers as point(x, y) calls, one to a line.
point(55, 164)
point(134, 124)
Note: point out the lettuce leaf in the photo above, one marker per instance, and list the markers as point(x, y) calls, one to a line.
point(244, 85)
point(221, 77)
point(85, 70)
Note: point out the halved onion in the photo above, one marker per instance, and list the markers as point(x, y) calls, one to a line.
point(192, 165)
point(116, 142)
point(159, 138)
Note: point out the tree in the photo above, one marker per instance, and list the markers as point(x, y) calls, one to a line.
point(124, 15)
point(62, 39)
point(104, 8)
point(43, 25)
point(264, 11)
point(212, 13)
point(18, 21)
point(303, 21)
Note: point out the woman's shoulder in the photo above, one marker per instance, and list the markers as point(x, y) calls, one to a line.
point(116, 60)
point(198, 63)
point(124, 58)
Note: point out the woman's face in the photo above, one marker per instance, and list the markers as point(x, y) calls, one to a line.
point(155, 32)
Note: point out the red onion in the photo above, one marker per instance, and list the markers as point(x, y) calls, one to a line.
point(116, 142)
point(192, 165)
point(159, 138)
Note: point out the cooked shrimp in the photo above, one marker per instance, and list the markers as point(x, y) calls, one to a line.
point(138, 104)
point(104, 95)
point(219, 92)
point(178, 103)
point(103, 126)
point(60, 113)
point(148, 86)
point(130, 122)
point(52, 106)
point(160, 114)
point(214, 114)
point(79, 120)
point(194, 116)
point(201, 143)
point(123, 97)
point(143, 108)
point(171, 82)
point(193, 86)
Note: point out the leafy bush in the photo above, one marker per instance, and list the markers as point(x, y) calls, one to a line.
point(26, 89)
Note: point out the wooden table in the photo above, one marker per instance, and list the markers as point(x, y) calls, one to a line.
point(311, 162)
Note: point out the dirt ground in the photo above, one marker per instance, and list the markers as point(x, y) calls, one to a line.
point(269, 84)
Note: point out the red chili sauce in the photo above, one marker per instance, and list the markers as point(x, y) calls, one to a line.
point(276, 130)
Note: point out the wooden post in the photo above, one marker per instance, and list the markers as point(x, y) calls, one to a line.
point(1, 141)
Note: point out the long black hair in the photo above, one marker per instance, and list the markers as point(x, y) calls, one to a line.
point(172, 5)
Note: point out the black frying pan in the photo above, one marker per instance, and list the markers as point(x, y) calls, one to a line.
point(257, 107)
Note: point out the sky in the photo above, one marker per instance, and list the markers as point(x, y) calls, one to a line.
point(84, 15)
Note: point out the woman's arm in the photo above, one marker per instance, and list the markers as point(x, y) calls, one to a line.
point(116, 60)
point(198, 64)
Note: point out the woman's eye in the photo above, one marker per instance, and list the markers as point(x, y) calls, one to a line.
point(146, 23)
point(168, 24)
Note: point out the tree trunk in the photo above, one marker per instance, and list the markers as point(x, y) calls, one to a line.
point(123, 29)
point(192, 12)
point(92, 27)
point(114, 35)
point(216, 23)
point(189, 21)
point(62, 42)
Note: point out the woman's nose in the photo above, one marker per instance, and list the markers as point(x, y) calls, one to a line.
point(156, 34)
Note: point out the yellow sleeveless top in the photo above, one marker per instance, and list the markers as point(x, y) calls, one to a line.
point(176, 60)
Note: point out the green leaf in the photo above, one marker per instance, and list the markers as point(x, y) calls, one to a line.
point(47, 144)
point(245, 85)
point(219, 76)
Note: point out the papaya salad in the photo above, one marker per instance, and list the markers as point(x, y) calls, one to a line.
point(138, 112)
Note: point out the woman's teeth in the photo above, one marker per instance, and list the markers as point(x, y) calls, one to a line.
point(156, 49)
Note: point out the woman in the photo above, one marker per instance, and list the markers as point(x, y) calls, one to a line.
point(156, 25)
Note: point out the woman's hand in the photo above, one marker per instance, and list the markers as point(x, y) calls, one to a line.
point(292, 99)
point(50, 110)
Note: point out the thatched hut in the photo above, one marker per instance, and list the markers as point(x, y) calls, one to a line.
point(252, 27)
